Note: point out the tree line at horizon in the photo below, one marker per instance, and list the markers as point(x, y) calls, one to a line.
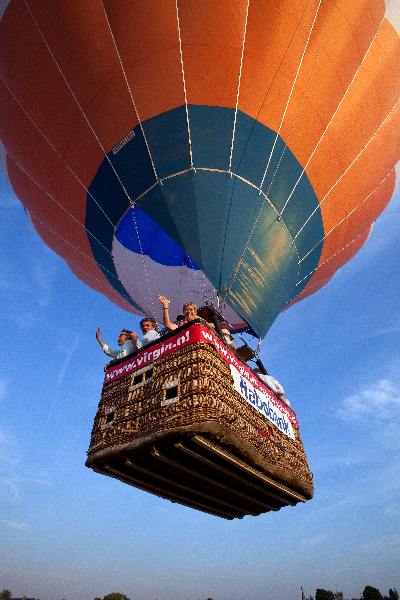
point(369, 593)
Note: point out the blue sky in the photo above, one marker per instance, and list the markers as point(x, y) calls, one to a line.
point(66, 532)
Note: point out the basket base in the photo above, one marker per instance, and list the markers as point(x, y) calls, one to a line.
point(197, 470)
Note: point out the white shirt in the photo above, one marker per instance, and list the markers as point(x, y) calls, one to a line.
point(125, 349)
point(148, 337)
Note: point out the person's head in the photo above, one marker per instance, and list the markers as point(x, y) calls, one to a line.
point(227, 334)
point(189, 311)
point(147, 324)
point(124, 336)
point(180, 319)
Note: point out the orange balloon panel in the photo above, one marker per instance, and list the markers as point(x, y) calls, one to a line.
point(241, 145)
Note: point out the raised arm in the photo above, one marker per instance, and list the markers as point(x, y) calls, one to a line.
point(167, 321)
point(98, 338)
point(137, 344)
point(104, 347)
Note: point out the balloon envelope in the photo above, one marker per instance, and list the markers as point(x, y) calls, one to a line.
point(177, 147)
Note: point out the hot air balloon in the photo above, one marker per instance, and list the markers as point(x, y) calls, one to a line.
point(241, 148)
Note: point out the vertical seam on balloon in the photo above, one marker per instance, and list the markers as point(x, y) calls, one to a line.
point(76, 100)
point(303, 95)
point(352, 29)
point(146, 271)
point(347, 216)
point(239, 262)
point(56, 201)
point(291, 93)
point(134, 221)
point(184, 85)
point(130, 92)
point(183, 275)
point(198, 272)
point(92, 130)
point(270, 157)
point(150, 287)
point(252, 128)
point(272, 81)
point(44, 136)
point(238, 89)
point(330, 121)
point(348, 168)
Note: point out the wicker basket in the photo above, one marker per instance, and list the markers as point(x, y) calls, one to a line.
point(179, 428)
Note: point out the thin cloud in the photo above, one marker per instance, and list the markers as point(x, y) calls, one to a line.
point(15, 484)
point(32, 283)
point(12, 487)
point(340, 461)
point(13, 524)
point(43, 278)
point(8, 455)
point(67, 359)
point(4, 438)
point(9, 284)
point(389, 330)
point(392, 511)
point(392, 329)
point(36, 287)
point(9, 458)
point(13, 480)
point(379, 401)
point(387, 541)
point(3, 388)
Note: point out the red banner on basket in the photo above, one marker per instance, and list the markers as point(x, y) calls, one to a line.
point(194, 334)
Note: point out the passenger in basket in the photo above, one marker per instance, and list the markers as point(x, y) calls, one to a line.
point(227, 335)
point(189, 314)
point(180, 319)
point(272, 384)
point(124, 341)
point(148, 327)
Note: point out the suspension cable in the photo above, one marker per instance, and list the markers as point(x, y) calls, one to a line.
point(97, 139)
point(291, 93)
point(259, 212)
point(238, 87)
point(348, 168)
point(348, 215)
point(79, 250)
point(44, 136)
point(331, 119)
point(184, 85)
point(130, 92)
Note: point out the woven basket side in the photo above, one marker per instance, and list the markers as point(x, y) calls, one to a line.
point(193, 386)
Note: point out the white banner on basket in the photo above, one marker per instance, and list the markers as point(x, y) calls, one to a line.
point(262, 403)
